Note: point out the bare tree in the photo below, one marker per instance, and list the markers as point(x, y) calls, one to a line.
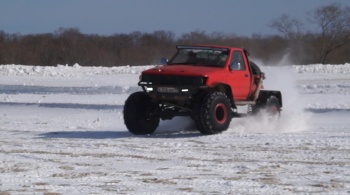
point(291, 28)
point(334, 23)
point(194, 37)
point(292, 31)
point(69, 46)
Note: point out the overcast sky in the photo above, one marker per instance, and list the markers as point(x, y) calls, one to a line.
point(107, 17)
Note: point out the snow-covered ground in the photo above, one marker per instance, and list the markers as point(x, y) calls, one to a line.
point(62, 132)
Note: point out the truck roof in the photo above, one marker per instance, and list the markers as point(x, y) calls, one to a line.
point(208, 46)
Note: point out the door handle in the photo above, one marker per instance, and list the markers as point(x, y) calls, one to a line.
point(246, 75)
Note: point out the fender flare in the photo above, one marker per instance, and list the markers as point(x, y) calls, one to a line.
point(266, 94)
point(225, 88)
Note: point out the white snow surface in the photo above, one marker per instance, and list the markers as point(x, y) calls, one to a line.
point(62, 132)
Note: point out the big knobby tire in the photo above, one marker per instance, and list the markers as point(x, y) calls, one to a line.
point(273, 107)
point(140, 114)
point(215, 114)
point(197, 110)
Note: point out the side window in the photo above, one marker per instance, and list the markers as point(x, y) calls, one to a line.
point(237, 62)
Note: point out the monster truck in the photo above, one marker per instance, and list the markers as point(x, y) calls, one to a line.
point(205, 82)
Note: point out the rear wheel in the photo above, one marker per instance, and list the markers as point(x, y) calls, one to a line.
point(271, 106)
point(215, 113)
point(141, 114)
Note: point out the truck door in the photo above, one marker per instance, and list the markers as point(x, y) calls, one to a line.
point(239, 77)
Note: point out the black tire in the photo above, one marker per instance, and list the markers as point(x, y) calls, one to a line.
point(140, 114)
point(215, 114)
point(271, 106)
point(197, 110)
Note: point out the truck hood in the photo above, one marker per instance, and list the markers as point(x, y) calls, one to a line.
point(187, 70)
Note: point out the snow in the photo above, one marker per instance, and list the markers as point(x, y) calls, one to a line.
point(62, 131)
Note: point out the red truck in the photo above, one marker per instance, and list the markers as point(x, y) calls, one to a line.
point(206, 82)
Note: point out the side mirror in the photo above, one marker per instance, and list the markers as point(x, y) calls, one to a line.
point(163, 61)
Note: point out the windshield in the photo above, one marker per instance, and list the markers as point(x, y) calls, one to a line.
point(200, 56)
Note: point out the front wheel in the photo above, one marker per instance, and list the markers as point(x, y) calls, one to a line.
point(215, 114)
point(140, 114)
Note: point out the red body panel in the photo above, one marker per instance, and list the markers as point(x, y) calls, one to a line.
point(240, 81)
point(183, 70)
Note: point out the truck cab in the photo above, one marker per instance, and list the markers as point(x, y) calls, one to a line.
point(239, 77)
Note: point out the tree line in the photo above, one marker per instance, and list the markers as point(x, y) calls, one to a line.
point(330, 44)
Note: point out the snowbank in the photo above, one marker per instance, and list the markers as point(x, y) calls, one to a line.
point(323, 68)
point(62, 132)
point(65, 70)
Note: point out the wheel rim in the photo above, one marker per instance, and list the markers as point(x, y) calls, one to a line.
point(274, 110)
point(220, 113)
point(149, 113)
